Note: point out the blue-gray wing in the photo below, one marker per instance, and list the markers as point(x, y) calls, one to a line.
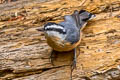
point(70, 19)
point(74, 19)
point(73, 34)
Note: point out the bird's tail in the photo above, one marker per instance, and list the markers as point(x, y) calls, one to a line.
point(81, 17)
point(76, 17)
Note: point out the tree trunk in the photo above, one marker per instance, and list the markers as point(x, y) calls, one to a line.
point(24, 53)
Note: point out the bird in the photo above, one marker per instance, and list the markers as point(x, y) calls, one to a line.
point(66, 35)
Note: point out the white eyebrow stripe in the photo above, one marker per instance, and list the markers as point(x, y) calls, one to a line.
point(55, 26)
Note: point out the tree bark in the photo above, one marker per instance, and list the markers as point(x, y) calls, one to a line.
point(24, 53)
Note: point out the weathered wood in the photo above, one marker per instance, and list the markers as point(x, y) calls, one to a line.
point(24, 53)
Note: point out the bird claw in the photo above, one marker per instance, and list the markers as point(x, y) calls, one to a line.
point(74, 64)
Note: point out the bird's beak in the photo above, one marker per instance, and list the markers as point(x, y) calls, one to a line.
point(40, 29)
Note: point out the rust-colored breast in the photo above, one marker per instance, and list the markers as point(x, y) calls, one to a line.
point(60, 45)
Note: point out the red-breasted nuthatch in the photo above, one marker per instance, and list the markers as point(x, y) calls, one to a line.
point(66, 35)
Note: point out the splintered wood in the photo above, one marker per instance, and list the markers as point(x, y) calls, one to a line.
point(24, 53)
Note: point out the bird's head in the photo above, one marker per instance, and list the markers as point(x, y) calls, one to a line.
point(85, 15)
point(52, 29)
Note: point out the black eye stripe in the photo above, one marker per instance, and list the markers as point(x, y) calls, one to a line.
point(88, 17)
point(85, 19)
point(57, 30)
point(51, 23)
point(81, 11)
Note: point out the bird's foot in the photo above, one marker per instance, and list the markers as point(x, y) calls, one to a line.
point(73, 65)
point(52, 57)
